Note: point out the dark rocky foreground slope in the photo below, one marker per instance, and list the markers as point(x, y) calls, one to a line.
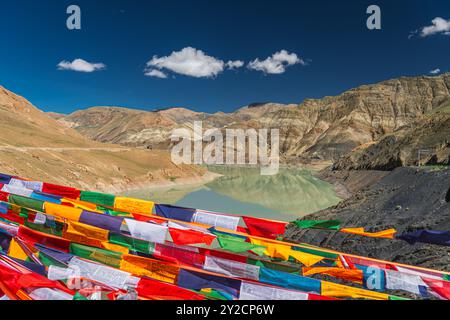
point(406, 199)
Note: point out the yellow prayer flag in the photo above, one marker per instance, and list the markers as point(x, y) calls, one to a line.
point(16, 251)
point(87, 231)
point(330, 289)
point(154, 269)
point(133, 205)
point(115, 247)
point(306, 259)
point(388, 234)
point(273, 250)
point(69, 213)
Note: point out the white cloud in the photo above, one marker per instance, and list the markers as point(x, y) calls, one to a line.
point(189, 62)
point(439, 26)
point(235, 64)
point(435, 71)
point(277, 63)
point(155, 73)
point(80, 65)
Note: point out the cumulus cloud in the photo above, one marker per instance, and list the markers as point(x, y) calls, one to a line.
point(435, 71)
point(438, 26)
point(277, 63)
point(189, 62)
point(80, 65)
point(155, 73)
point(235, 64)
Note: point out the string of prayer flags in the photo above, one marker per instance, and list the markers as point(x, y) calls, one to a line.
point(120, 250)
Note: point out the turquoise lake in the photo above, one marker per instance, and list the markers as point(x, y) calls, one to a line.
point(290, 194)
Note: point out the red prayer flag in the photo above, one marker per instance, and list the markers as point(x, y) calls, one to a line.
point(187, 237)
point(66, 192)
point(153, 289)
point(4, 196)
point(441, 287)
point(312, 296)
point(265, 228)
point(223, 255)
point(33, 237)
point(15, 280)
point(142, 218)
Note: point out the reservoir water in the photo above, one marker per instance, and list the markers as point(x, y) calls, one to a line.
point(290, 194)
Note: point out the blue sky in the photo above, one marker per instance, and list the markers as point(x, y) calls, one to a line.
point(334, 51)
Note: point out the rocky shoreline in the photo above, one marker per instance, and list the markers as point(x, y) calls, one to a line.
point(406, 199)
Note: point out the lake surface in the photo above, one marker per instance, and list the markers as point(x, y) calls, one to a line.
point(290, 194)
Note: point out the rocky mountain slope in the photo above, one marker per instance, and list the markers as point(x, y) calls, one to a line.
point(406, 199)
point(34, 145)
point(429, 135)
point(320, 129)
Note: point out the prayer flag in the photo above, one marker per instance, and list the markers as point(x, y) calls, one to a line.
point(173, 212)
point(265, 228)
point(427, 236)
point(318, 224)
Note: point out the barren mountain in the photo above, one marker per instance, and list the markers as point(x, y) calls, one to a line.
point(320, 129)
point(427, 138)
point(36, 146)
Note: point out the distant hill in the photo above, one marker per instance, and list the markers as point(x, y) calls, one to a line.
point(317, 129)
point(35, 145)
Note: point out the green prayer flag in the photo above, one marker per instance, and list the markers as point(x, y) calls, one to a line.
point(318, 224)
point(397, 298)
point(329, 255)
point(49, 261)
point(275, 266)
point(79, 296)
point(238, 244)
point(132, 243)
point(107, 257)
point(57, 230)
point(103, 199)
point(33, 204)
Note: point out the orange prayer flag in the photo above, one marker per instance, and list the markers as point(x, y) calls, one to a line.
point(155, 269)
point(346, 274)
point(387, 234)
point(72, 214)
point(85, 234)
point(87, 231)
